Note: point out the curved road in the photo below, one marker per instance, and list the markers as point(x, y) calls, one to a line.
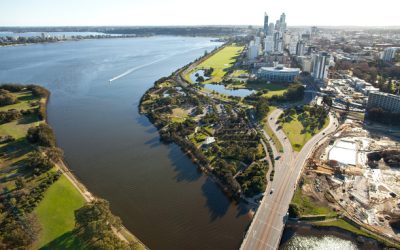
point(268, 223)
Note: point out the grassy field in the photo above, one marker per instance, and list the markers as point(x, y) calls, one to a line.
point(308, 207)
point(221, 61)
point(56, 211)
point(238, 72)
point(296, 134)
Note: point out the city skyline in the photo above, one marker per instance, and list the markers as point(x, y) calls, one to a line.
point(178, 12)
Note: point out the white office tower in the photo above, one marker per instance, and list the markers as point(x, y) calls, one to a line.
point(252, 51)
point(292, 46)
point(300, 47)
point(321, 63)
point(271, 29)
point(257, 40)
point(389, 54)
point(278, 26)
point(268, 44)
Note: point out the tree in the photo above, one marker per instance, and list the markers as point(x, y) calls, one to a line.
point(42, 135)
point(94, 223)
point(327, 100)
point(54, 154)
point(6, 98)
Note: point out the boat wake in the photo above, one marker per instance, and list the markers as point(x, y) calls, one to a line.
point(134, 69)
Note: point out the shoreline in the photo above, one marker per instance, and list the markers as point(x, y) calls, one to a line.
point(124, 234)
point(319, 231)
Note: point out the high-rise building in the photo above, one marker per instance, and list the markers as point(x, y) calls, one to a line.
point(385, 101)
point(300, 47)
point(389, 53)
point(321, 63)
point(271, 29)
point(269, 44)
point(253, 50)
point(266, 29)
point(282, 22)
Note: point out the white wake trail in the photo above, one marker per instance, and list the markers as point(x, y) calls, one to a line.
point(134, 69)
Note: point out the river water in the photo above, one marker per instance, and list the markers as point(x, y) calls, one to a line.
point(156, 190)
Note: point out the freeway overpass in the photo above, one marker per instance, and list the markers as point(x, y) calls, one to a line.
point(268, 223)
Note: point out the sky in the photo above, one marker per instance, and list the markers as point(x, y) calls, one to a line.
point(199, 12)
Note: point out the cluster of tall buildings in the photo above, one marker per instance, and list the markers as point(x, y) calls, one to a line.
point(278, 45)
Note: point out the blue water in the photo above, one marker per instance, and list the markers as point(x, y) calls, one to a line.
point(229, 92)
point(155, 189)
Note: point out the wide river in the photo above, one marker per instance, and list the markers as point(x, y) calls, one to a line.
point(156, 190)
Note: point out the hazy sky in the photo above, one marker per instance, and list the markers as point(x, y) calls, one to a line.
point(200, 12)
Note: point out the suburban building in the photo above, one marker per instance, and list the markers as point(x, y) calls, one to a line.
point(385, 101)
point(279, 73)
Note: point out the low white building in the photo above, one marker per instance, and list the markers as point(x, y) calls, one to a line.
point(279, 73)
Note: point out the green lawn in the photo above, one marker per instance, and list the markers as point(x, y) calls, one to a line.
point(56, 211)
point(294, 130)
point(238, 72)
point(25, 99)
point(18, 128)
point(220, 61)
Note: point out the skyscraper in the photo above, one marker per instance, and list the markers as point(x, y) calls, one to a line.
point(321, 63)
point(271, 29)
point(300, 48)
point(282, 22)
point(266, 31)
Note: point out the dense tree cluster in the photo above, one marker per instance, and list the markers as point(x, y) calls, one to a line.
point(42, 135)
point(95, 224)
point(6, 98)
point(19, 228)
point(380, 74)
point(9, 116)
point(253, 179)
point(382, 116)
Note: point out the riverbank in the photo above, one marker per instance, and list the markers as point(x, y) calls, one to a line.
point(306, 232)
point(35, 180)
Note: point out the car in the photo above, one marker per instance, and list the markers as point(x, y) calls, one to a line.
point(278, 157)
point(323, 133)
point(272, 190)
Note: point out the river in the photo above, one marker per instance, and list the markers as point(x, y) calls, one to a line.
point(156, 190)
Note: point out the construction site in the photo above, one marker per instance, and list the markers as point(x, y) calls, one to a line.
point(357, 175)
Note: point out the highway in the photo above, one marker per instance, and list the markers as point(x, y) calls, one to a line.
point(268, 223)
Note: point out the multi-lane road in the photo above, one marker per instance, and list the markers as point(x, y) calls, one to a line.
point(269, 221)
